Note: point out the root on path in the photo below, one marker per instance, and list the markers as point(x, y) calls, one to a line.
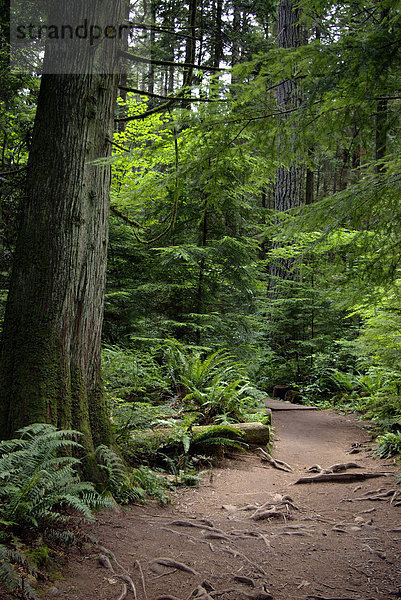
point(340, 477)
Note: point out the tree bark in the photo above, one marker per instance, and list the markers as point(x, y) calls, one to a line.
point(50, 356)
point(290, 182)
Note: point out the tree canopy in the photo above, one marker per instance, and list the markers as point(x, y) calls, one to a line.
point(254, 200)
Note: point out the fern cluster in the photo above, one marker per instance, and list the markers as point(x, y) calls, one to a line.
point(389, 444)
point(41, 493)
point(214, 385)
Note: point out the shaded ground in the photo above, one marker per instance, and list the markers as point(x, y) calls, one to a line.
point(334, 544)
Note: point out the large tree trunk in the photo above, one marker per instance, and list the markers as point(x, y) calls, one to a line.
point(50, 355)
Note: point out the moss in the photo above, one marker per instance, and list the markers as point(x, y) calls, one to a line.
point(40, 555)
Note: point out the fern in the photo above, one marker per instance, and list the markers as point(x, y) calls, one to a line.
point(153, 484)
point(389, 444)
point(12, 563)
point(39, 487)
point(218, 437)
point(118, 481)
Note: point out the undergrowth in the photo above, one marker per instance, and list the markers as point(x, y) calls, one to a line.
point(181, 388)
point(41, 496)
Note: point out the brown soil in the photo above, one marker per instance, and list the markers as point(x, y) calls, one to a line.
point(331, 546)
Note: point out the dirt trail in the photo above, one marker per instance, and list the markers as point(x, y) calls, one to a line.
point(323, 542)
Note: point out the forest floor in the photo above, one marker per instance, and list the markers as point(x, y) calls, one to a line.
point(324, 541)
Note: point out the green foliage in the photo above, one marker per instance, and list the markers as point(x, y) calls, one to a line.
point(212, 386)
point(118, 481)
point(389, 444)
point(154, 484)
point(14, 568)
point(40, 494)
point(217, 438)
point(132, 374)
point(39, 484)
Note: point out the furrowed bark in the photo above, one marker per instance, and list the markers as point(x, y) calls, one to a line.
point(50, 356)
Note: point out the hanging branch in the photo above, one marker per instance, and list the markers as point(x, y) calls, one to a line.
point(161, 97)
point(167, 63)
point(162, 29)
point(126, 219)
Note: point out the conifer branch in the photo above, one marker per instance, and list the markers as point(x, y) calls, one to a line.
point(161, 97)
point(167, 63)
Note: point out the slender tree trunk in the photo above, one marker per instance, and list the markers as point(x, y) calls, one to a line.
point(202, 266)
point(190, 45)
point(290, 182)
point(50, 355)
point(382, 111)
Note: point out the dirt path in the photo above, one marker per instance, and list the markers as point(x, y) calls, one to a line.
point(325, 542)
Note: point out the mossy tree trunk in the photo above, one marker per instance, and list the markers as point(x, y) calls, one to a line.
point(50, 366)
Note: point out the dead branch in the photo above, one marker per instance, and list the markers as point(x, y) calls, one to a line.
point(340, 477)
point(277, 464)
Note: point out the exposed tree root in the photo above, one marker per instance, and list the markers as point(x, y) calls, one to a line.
point(189, 537)
point(377, 497)
point(216, 536)
point(200, 593)
point(236, 554)
point(279, 508)
point(196, 525)
point(106, 562)
point(297, 532)
point(340, 477)
point(318, 597)
point(244, 580)
point(245, 535)
point(270, 514)
point(257, 595)
point(123, 593)
point(277, 464)
point(340, 467)
point(138, 564)
point(173, 564)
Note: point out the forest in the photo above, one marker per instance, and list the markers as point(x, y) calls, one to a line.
point(214, 222)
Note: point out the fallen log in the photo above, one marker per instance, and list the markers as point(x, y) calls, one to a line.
point(252, 433)
point(340, 477)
